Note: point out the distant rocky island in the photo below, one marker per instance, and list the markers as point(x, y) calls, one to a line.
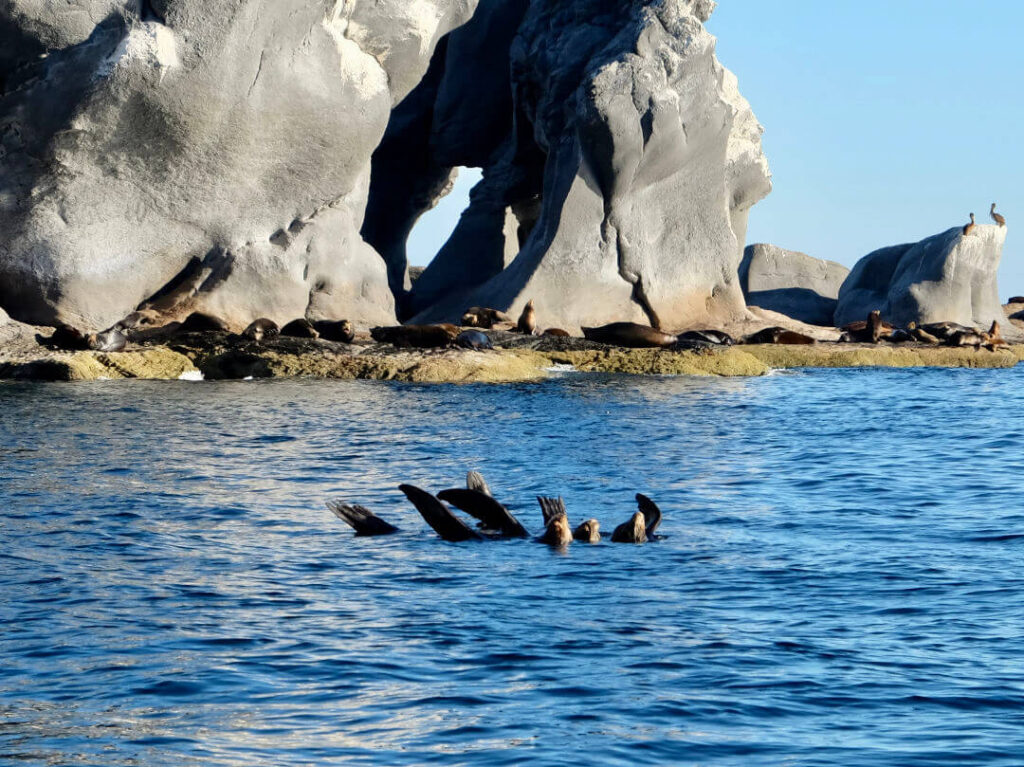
point(251, 160)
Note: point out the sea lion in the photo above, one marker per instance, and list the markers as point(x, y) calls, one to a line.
point(417, 336)
point(475, 481)
point(65, 338)
point(588, 532)
point(437, 515)
point(1016, 300)
point(473, 339)
point(200, 322)
point(144, 318)
point(943, 331)
point(899, 336)
point(714, 337)
point(919, 335)
point(360, 519)
point(969, 228)
point(632, 531)
point(630, 334)
point(777, 335)
point(966, 338)
point(556, 529)
point(112, 340)
point(300, 328)
point(340, 331)
point(483, 317)
point(557, 332)
point(527, 320)
point(493, 516)
point(869, 331)
point(261, 330)
point(652, 515)
point(996, 217)
point(993, 337)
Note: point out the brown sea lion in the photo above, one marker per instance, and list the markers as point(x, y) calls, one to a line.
point(528, 319)
point(112, 340)
point(557, 332)
point(493, 516)
point(966, 338)
point(361, 519)
point(437, 515)
point(633, 531)
point(417, 336)
point(993, 338)
point(300, 328)
point(144, 318)
point(200, 322)
point(630, 334)
point(473, 339)
point(66, 338)
point(557, 532)
point(919, 335)
point(1016, 300)
point(945, 330)
point(340, 331)
point(588, 532)
point(261, 330)
point(715, 337)
point(777, 335)
point(869, 331)
point(475, 481)
point(483, 317)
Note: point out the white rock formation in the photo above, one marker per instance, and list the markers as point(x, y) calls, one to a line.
point(792, 283)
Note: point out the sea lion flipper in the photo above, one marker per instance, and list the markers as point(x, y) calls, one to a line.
point(551, 508)
point(475, 481)
point(437, 515)
point(489, 511)
point(360, 519)
point(651, 512)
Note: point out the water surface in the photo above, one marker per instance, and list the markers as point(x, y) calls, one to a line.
point(841, 583)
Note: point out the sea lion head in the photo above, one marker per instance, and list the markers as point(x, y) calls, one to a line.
point(639, 524)
point(558, 532)
point(588, 532)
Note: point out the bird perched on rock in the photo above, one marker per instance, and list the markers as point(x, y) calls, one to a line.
point(996, 217)
point(969, 227)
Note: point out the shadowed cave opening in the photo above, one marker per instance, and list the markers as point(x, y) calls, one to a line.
point(435, 226)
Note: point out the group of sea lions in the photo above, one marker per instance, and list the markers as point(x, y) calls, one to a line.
point(494, 520)
point(139, 323)
point(874, 330)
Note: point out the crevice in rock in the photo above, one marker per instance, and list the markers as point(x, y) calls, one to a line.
point(152, 10)
point(198, 276)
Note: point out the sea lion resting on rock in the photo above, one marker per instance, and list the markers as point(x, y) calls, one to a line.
point(869, 331)
point(473, 339)
point(300, 328)
point(65, 338)
point(631, 335)
point(340, 331)
point(527, 320)
point(777, 335)
point(557, 333)
point(713, 337)
point(200, 322)
point(920, 335)
point(417, 336)
point(261, 330)
point(993, 337)
point(112, 340)
point(483, 317)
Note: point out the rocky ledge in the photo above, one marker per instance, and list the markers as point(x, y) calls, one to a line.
point(221, 356)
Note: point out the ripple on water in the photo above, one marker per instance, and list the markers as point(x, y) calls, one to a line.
point(828, 592)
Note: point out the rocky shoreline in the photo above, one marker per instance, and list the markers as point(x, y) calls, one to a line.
point(222, 356)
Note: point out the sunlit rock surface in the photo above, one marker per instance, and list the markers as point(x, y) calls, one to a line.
point(214, 155)
point(791, 283)
point(946, 277)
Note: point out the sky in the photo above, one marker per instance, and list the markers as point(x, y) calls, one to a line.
point(886, 121)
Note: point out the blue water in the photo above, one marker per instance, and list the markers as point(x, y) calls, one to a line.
point(841, 584)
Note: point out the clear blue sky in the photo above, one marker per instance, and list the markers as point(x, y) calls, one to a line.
point(885, 121)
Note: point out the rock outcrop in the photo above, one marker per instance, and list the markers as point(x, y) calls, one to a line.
point(791, 283)
point(946, 277)
point(214, 155)
point(619, 184)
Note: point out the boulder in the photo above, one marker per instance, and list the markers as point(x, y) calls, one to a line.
point(946, 277)
point(212, 155)
point(621, 187)
point(791, 283)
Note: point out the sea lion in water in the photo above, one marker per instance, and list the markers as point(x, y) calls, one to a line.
point(588, 532)
point(557, 332)
point(528, 319)
point(632, 531)
point(473, 339)
point(360, 519)
point(340, 331)
point(556, 522)
point(300, 328)
point(437, 515)
point(652, 515)
point(475, 481)
point(482, 506)
point(261, 330)
point(631, 335)
point(417, 336)
point(483, 317)
point(777, 335)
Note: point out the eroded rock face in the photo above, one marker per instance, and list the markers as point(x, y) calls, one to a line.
point(622, 188)
point(946, 277)
point(221, 147)
point(791, 283)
